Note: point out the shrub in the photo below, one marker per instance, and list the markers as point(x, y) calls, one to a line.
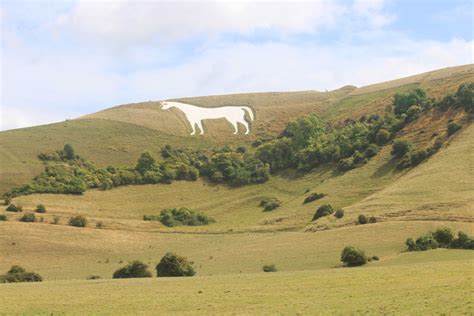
point(78, 221)
point(339, 213)
point(463, 241)
point(313, 197)
point(7, 200)
point(68, 152)
point(3, 217)
point(135, 269)
point(362, 219)
point(422, 243)
point(346, 164)
point(172, 265)
point(14, 208)
point(323, 210)
point(372, 219)
point(99, 225)
point(375, 258)
point(56, 220)
point(371, 151)
point(401, 147)
point(269, 204)
point(269, 268)
point(175, 217)
point(453, 128)
point(40, 208)
point(94, 277)
point(443, 236)
point(28, 218)
point(382, 137)
point(19, 274)
point(352, 257)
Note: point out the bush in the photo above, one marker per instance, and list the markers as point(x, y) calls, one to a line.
point(56, 220)
point(135, 269)
point(40, 208)
point(14, 208)
point(372, 219)
point(375, 258)
point(453, 128)
point(313, 197)
point(28, 218)
point(7, 200)
point(422, 243)
point(401, 147)
point(3, 217)
point(323, 210)
point(172, 265)
point(269, 204)
point(175, 217)
point(352, 257)
point(19, 274)
point(94, 277)
point(464, 241)
point(99, 225)
point(78, 221)
point(339, 213)
point(382, 137)
point(443, 236)
point(269, 268)
point(371, 151)
point(362, 219)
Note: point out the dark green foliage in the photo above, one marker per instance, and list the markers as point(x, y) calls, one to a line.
point(371, 151)
point(339, 213)
point(463, 241)
point(19, 274)
point(382, 137)
point(78, 221)
point(28, 218)
point(3, 218)
point(422, 243)
point(269, 268)
point(145, 163)
point(453, 128)
point(462, 98)
point(40, 208)
point(362, 219)
point(323, 210)
point(443, 236)
point(404, 101)
point(353, 257)
point(177, 217)
point(14, 208)
point(401, 147)
point(313, 197)
point(135, 269)
point(172, 265)
point(270, 204)
point(68, 152)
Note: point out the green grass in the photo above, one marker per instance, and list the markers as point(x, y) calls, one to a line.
point(428, 288)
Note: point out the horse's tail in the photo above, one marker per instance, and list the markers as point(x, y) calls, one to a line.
point(249, 111)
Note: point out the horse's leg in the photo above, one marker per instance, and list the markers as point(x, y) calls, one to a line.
point(193, 127)
point(199, 124)
point(236, 127)
point(244, 122)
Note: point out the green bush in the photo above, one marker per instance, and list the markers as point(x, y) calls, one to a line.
point(135, 269)
point(401, 147)
point(362, 219)
point(269, 204)
point(339, 213)
point(19, 274)
point(371, 151)
point(463, 241)
point(40, 208)
point(352, 257)
point(172, 265)
point(14, 208)
point(269, 268)
point(3, 217)
point(313, 197)
point(443, 236)
point(78, 221)
point(177, 217)
point(453, 128)
point(28, 218)
point(382, 137)
point(422, 243)
point(323, 210)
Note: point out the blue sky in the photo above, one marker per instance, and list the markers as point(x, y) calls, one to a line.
point(64, 59)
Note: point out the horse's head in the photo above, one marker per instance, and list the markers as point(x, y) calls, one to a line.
point(166, 105)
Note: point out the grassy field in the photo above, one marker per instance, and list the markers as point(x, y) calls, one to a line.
point(415, 289)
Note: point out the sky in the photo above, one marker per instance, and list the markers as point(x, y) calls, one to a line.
point(63, 59)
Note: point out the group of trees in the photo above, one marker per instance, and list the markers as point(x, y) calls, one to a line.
point(443, 237)
point(19, 274)
point(171, 265)
point(177, 217)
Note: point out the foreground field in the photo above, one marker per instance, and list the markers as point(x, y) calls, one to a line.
point(425, 288)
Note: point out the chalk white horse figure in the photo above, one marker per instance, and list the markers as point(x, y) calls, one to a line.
point(195, 114)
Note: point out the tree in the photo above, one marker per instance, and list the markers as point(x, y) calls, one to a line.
point(323, 210)
point(362, 219)
point(401, 147)
point(353, 257)
point(40, 208)
point(145, 163)
point(172, 265)
point(135, 269)
point(443, 236)
point(78, 221)
point(68, 152)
